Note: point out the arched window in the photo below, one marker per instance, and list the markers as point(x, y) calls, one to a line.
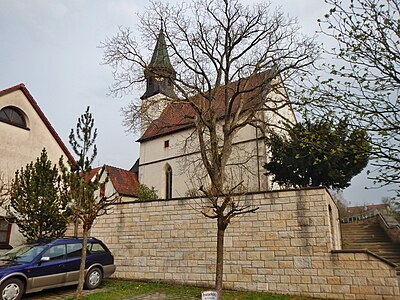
point(14, 116)
point(168, 182)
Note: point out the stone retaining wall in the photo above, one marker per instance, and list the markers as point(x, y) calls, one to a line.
point(288, 246)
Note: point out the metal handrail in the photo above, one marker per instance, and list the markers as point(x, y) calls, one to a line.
point(370, 214)
point(365, 215)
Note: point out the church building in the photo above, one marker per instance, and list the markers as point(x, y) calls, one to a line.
point(168, 144)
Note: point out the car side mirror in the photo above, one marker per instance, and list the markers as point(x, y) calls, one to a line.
point(45, 258)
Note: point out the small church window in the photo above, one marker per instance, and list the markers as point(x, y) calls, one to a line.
point(168, 183)
point(166, 144)
point(14, 116)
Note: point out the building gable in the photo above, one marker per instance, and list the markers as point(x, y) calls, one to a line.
point(21, 87)
point(180, 116)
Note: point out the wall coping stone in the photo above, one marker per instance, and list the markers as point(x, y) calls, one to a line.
point(366, 252)
point(245, 194)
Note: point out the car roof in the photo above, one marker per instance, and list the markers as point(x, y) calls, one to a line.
point(64, 240)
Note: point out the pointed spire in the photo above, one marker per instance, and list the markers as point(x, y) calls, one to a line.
point(160, 74)
point(160, 59)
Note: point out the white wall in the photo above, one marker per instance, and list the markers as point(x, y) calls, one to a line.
point(184, 158)
point(19, 146)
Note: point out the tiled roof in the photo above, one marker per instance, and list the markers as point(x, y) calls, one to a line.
point(92, 173)
point(179, 116)
point(125, 182)
point(41, 115)
point(135, 167)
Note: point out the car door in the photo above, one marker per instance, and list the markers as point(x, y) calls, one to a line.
point(73, 261)
point(49, 273)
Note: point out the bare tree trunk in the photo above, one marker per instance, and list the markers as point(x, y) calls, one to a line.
point(76, 224)
point(219, 272)
point(81, 281)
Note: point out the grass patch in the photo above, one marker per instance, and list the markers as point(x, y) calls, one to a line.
point(121, 289)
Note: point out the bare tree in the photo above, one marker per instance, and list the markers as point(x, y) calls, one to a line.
point(4, 192)
point(231, 62)
point(363, 78)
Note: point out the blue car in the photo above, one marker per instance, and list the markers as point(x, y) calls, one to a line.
point(35, 267)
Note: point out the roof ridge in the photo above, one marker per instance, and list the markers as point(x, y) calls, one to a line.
point(114, 167)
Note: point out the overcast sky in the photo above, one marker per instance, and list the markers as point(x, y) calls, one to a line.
point(52, 47)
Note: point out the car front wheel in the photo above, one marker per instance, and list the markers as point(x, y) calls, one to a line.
point(93, 278)
point(12, 289)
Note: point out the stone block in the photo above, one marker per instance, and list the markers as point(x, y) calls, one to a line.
point(253, 244)
point(262, 286)
point(373, 297)
point(258, 278)
point(295, 279)
point(341, 289)
point(314, 288)
point(285, 279)
point(278, 224)
point(271, 236)
point(272, 278)
point(258, 264)
point(381, 273)
point(333, 280)
point(292, 251)
point(231, 277)
point(253, 256)
point(377, 281)
point(244, 278)
point(286, 264)
point(384, 290)
point(363, 273)
point(367, 290)
point(302, 262)
point(318, 280)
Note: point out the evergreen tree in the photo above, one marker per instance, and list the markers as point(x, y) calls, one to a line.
point(87, 203)
point(38, 200)
point(318, 154)
point(146, 193)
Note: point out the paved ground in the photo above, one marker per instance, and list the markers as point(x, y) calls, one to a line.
point(158, 296)
point(63, 293)
point(55, 294)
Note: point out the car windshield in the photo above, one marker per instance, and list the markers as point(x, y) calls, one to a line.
point(23, 253)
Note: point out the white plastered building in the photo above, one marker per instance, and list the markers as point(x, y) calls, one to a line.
point(24, 132)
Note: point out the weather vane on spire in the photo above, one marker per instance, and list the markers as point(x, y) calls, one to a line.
point(163, 10)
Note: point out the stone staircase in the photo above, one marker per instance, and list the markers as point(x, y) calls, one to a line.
point(368, 234)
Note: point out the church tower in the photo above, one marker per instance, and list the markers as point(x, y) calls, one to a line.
point(159, 73)
point(160, 76)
